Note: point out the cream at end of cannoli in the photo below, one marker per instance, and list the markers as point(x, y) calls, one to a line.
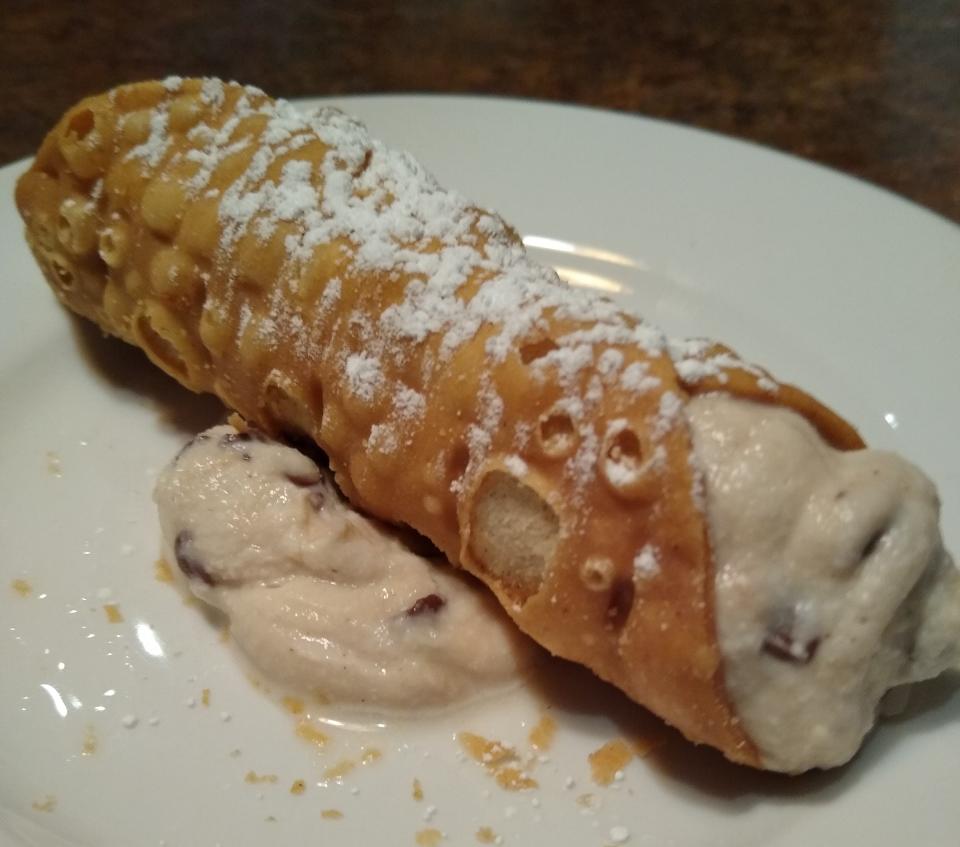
point(832, 583)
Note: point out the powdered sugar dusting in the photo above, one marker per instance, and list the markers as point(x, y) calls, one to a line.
point(694, 362)
point(153, 149)
point(364, 376)
point(383, 437)
point(670, 409)
point(212, 92)
point(387, 216)
point(620, 474)
point(331, 293)
point(409, 404)
point(610, 361)
point(581, 467)
point(646, 564)
point(636, 377)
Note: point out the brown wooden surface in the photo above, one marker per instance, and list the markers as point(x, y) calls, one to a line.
point(869, 87)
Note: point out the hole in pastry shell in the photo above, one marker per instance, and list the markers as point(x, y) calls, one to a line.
point(597, 573)
point(556, 435)
point(80, 124)
point(533, 350)
point(63, 273)
point(620, 603)
point(624, 467)
point(457, 462)
point(513, 532)
point(80, 142)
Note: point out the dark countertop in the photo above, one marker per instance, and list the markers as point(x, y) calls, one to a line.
point(866, 86)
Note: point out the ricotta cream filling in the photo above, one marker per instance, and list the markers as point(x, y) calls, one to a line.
point(832, 583)
point(319, 597)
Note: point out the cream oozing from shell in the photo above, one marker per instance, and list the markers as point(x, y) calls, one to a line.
point(832, 583)
point(319, 597)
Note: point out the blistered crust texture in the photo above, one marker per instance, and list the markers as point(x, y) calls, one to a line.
point(324, 285)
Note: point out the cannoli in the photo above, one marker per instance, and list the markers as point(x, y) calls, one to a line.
point(645, 506)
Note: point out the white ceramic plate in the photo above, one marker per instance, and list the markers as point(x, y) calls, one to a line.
point(835, 285)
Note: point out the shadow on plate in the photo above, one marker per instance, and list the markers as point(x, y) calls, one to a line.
point(704, 774)
point(127, 370)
